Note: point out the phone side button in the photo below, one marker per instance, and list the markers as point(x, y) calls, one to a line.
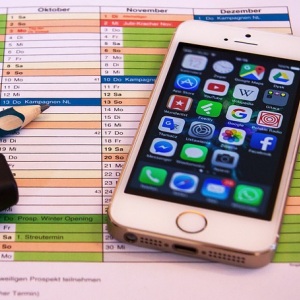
point(191, 222)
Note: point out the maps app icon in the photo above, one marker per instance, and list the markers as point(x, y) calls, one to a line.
point(252, 72)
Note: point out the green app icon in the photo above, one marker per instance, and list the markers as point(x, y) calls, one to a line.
point(193, 153)
point(153, 176)
point(209, 108)
point(247, 194)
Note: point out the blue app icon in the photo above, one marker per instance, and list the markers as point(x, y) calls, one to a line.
point(216, 188)
point(163, 147)
point(184, 182)
point(262, 141)
point(171, 124)
point(187, 82)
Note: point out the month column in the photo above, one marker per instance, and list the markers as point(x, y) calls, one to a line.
point(53, 57)
point(133, 44)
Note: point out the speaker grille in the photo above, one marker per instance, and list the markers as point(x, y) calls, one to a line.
point(151, 242)
point(226, 257)
point(210, 254)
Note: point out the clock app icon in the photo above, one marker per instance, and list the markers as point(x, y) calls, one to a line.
point(223, 66)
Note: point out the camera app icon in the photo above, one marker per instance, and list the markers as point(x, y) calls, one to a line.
point(225, 159)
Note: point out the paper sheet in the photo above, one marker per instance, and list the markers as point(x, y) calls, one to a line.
point(95, 64)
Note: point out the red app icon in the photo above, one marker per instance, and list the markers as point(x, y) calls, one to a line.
point(180, 103)
point(216, 87)
point(269, 119)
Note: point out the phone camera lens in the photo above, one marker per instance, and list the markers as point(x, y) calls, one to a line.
point(225, 158)
point(130, 237)
point(248, 35)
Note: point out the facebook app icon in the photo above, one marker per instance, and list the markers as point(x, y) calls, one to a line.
point(262, 141)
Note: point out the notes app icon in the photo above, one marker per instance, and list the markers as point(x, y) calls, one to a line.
point(252, 72)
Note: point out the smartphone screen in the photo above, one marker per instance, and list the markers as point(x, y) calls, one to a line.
point(220, 131)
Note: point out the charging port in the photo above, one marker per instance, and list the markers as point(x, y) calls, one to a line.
point(185, 249)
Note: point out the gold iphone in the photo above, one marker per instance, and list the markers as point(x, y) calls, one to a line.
point(209, 170)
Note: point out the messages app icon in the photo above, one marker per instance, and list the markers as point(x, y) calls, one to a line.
point(252, 72)
point(195, 153)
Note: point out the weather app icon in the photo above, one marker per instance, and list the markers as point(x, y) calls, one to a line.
point(252, 72)
point(187, 82)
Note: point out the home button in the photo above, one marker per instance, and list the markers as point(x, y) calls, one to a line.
point(191, 222)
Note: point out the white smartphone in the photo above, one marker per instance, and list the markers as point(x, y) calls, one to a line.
point(209, 171)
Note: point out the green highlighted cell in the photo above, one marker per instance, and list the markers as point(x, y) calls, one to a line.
point(58, 237)
point(150, 31)
point(145, 44)
point(286, 257)
point(60, 228)
point(295, 182)
point(142, 65)
point(141, 72)
point(289, 238)
point(146, 37)
point(290, 228)
point(290, 219)
point(294, 192)
point(3, 18)
point(58, 256)
point(51, 219)
point(143, 58)
point(288, 248)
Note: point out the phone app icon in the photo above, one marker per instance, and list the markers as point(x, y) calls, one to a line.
point(180, 103)
point(163, 147)
point(201, 130)
point(194, 153)
point(171, 124)
point(263, 141)
point(232, 136)
point(209, 108)
point(269, 119)
point(249, 195)
point(252, 72)
point(217, 188)
point(245, 92)
point(184, 182)
point(239, 113)
point(153, 176)
point(281, 76)
point(274, 97)
point(216, 87)
point(194, 62)
point(187, 82)
point(225, 159)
